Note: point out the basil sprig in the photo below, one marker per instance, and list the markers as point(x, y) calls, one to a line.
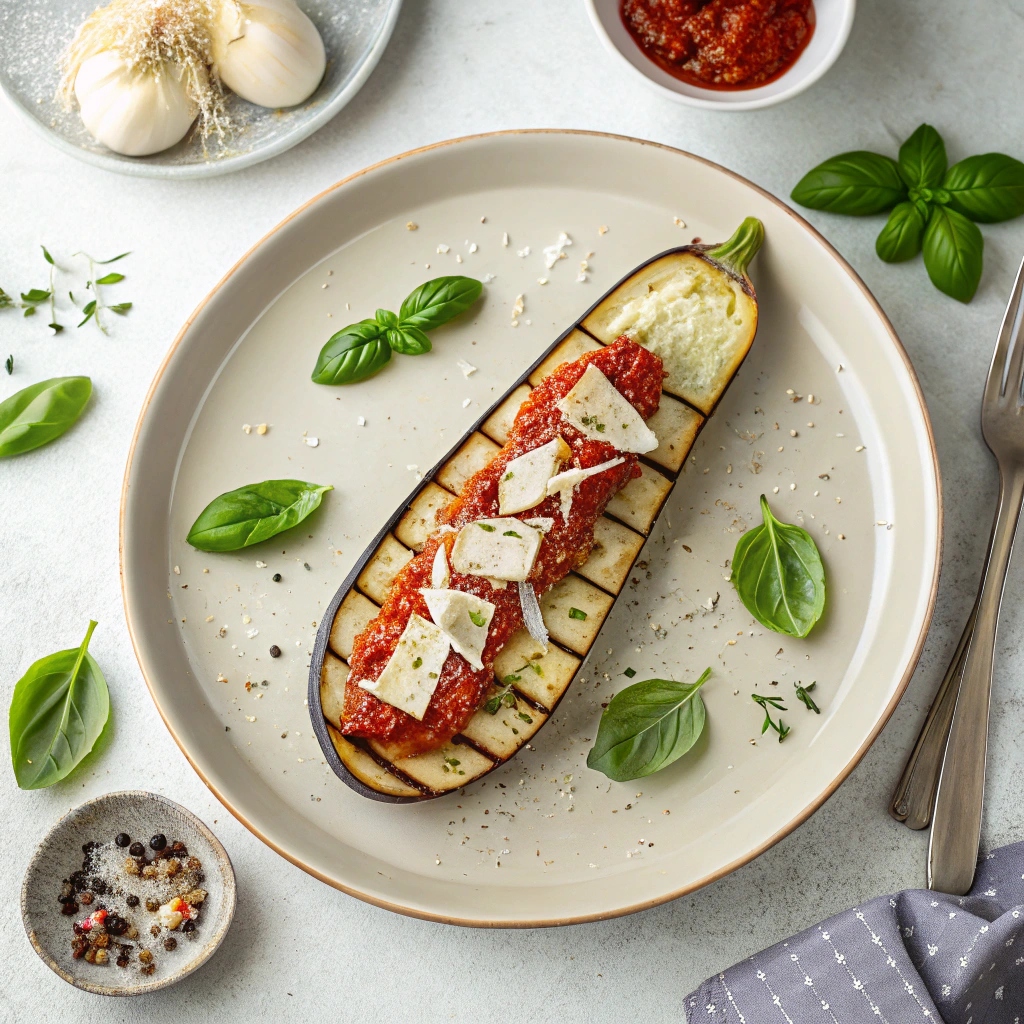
point(40, 413)
point(933, 206)
point(254, 513)
point(58, 711)
point(777, 572)
point(361, 350)
point(647, 726)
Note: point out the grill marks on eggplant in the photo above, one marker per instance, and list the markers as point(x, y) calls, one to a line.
point(537, 680)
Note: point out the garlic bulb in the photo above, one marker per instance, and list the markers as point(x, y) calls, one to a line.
point(267, 51)
point(133, 112)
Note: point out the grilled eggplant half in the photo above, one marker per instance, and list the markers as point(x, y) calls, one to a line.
point(695, 308)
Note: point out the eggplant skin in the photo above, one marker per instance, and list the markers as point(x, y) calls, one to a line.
point(696, 308)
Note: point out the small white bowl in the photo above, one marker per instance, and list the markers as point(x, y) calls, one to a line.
point(834, 19)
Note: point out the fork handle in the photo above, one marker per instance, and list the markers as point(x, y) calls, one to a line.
point(914, 795)
point(956, 823)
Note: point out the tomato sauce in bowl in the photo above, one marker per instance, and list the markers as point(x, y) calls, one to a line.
point(721, 44)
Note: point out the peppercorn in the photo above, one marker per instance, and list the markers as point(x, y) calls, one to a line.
point(122, 961)
point(86, 898)
point(78, 948)
point(158, 842)
point(100, 941)
point(275, 651)
point(179, 847)
point(132, 900)
point(69, 909)
point(89, 846)
point(137, 849)
point(116, 924)
point(276, 577)
point(170, 943)
point(122, 839)
point(148, 969)
point(189, 926)
point(194, 864)
point(102, 956)
point(90, 955)
point(152, 906)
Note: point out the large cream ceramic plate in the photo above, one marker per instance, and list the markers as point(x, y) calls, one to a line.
point(542, 840)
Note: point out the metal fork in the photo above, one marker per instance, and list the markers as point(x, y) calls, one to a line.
point(956, 822)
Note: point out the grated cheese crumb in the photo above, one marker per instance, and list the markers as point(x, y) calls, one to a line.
point(411, 225)
point(312, 441)
point(246, 428)
point(467, 368)
point(442, 248)
point(504, 239)
point(679, 222)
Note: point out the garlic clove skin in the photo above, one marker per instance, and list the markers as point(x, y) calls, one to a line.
point(136, 113)
point(267, 51)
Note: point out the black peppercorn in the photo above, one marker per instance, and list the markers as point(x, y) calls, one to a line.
point(69, 909)
point(137, 849)
point(98, 886)
point(188, 926)
point(158, 842)
point(116, 924)
point(132, 900)
point(122, 839)
point(121, 961)
point(170, 943)
point(277, 577)
point(275, 651)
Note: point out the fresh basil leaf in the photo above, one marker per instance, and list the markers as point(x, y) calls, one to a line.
point(34, 295)
point(254, 513)
point(646, 727)
point(410, 341)
point(923, 160)
point(900, 239)
point(354, 353)
point(777, 572)
point(386, 318)
point(110, 278)
point(437, 301)
point(47, 256)
point(987, 188)
point(41, 412)
point(58, 711)
point(953, 253)
point(857, 183)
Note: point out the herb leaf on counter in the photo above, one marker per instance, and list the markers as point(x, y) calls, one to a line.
point(987, 188)
point(803, 694)
point(647, 726)
point(858, 183)
point(354, 353)
point(922, 158)
point(777, 572)
point(769, 704)
point(438, 301)
point(58, 711)
point(900, 239)
point(254, 513)
point(953, 253)
point(41, 412)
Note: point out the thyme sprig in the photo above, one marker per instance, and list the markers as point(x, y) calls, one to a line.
point(53, 325)
point(96, 304)
point(769, 704)
point(803, 694)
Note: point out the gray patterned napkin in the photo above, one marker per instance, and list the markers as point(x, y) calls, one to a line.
point(915, 956)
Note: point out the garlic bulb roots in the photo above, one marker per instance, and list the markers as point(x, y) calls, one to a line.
point(136, 113)
point(267, 51)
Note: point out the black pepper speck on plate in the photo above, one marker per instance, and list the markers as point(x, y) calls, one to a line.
point(275, 651)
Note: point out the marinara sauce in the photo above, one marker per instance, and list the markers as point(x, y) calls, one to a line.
point(637, 374)
point(721, 44)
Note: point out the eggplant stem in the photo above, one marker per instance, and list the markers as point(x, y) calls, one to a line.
point(736, 254)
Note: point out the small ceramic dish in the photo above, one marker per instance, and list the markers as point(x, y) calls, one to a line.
point(833, 21)
point(141, 815)
point(355, 35)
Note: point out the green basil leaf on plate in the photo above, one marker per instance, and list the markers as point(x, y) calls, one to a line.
point(58, 711)
point(900, 239)
point(438, 301)
point(922, 159)
point(354, 353)
point(254, 513)
point(777, 572)
point(409, 341)
point(857, 183)
point(986, 188)
point(646, 727)
point(953, 253)
point(41, 412)
point(386, 318)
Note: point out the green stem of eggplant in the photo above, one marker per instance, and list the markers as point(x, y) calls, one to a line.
point(736, 254)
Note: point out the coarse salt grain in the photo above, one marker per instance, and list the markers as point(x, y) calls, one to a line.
point(679, 222)
point(360, 421)
point(312, 441)
point(411, 225)
point(246, 428)
point(488, 278)
point(442, 248)
point(504, 238)
point(524, 252)
point(177, 571)
point(466, 402)
point(468, 369)
point(603, 229)
point(473, 247)
point(859, 448)
point(260, 565)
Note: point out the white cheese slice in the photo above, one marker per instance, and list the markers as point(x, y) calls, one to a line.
point(565, 483)
point(542, 523)
point(524, 482)
point(465, 618)
point(598, 410)
point(440, 577)
point(412, 672)
point(504, 549)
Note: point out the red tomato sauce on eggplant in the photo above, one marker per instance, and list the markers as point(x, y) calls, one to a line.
point(721, 44)
point(637, 374)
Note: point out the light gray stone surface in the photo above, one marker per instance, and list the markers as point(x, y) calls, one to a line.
point(299, 949)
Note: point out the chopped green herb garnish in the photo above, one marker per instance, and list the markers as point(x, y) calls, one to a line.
point(629, 673)
point(478, 618)
point(433, 675)
point(511, 679)
point(776, 704)
point(512, 533)
point(503, 698)
point(577, 613)
point(486, 526)
point(417, 663)
point(536, 667)
point(803, 694)
point(525, 718)
point(508, 475)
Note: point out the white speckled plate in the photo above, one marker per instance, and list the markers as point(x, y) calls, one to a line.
point(33, 33)
point(542, 840)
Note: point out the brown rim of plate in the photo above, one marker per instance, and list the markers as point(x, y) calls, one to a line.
point(214, 941)
point(790, 825)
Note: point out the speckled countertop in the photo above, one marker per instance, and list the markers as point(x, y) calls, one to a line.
point(299, 949)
